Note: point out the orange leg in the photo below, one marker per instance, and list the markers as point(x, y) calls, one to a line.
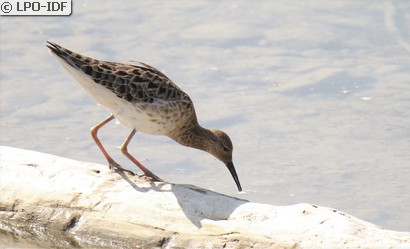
point(111, 163)
point(124, 150)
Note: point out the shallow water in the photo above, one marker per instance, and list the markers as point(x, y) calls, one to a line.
point(315, 95)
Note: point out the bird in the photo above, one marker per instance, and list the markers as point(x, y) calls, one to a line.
point(144, 99)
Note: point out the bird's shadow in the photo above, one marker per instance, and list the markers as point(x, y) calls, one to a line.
point(197, 203)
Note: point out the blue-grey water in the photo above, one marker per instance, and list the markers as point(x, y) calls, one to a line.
point(314, 94)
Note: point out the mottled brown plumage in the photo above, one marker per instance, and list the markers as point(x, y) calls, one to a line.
point(144, 99)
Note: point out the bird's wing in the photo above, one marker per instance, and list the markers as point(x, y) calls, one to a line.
point(140, 83)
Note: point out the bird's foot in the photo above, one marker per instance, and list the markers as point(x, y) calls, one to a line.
point(115, 166)
point(153, 177)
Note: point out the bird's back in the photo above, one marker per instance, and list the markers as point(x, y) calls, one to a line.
point(139, 96)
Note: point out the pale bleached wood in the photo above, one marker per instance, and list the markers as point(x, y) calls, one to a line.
point(48, 201)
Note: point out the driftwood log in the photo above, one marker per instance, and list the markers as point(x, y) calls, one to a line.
point(52, 202)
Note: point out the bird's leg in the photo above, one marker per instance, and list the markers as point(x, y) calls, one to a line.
point(124, 150)
point(111, 162)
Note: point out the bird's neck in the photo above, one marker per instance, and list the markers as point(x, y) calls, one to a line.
point(196, 137)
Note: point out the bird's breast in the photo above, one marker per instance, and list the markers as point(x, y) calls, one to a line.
point(156, 118)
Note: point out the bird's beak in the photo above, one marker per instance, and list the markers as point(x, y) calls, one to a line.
point(234, 175)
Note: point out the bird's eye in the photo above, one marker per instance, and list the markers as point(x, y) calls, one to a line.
point(226, 148)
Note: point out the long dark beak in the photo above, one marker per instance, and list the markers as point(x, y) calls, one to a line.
point(234, 175)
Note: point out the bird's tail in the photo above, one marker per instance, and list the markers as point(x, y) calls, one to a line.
point(73, 59)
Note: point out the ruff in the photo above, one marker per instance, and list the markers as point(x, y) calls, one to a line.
point(143, 99)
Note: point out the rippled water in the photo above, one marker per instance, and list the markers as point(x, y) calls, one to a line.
point(315, 95)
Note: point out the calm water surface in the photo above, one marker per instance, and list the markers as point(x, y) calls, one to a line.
point(315, 95)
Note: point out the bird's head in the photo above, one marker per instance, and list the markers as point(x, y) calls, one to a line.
point(215, 142)
point(222, 149)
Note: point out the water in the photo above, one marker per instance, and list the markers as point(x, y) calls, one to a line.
point(315, 95)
